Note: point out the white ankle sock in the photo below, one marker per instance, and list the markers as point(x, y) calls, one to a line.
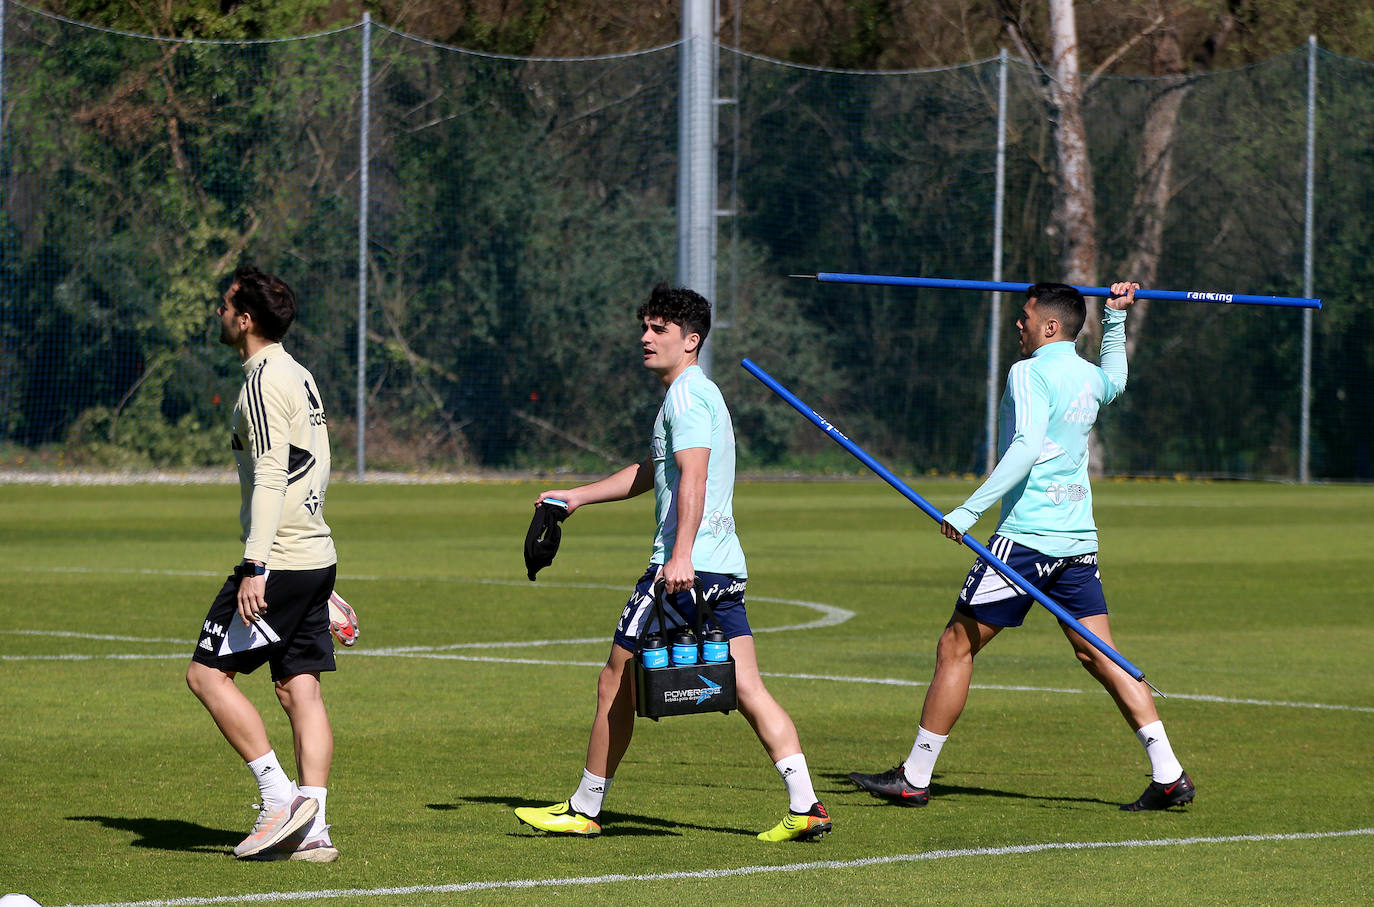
point(800, 794)
point(319, 826)
point(1164, 766)
point(273, 786)
point(920, 765)
point(591, 793)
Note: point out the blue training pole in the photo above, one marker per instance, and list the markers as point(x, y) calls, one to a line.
point(978, 548)
point(999, 286)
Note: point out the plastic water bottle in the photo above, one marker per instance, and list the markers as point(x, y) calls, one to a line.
point(685, 647)
point(653, 653)
point(715, 646)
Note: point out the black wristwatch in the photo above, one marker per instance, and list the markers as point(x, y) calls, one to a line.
point(250, 568)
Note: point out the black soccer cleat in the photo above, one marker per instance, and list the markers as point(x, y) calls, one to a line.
point(892, 785)
point(1163, 796)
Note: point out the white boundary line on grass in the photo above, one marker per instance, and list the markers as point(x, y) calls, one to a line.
point(442, 653)
point(830, 615)
point(550, 662)
point(706, 874)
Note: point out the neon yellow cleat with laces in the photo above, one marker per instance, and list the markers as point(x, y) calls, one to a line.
point(806, 826)
point(559, 819)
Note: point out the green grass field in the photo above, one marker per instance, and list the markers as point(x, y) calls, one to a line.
point(1248, 604)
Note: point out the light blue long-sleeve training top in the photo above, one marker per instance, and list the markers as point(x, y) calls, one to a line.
point(1048, 409)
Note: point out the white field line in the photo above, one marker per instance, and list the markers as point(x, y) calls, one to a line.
point(72, 635)
point(830, 615)
point(706, 874)
point(407, 652)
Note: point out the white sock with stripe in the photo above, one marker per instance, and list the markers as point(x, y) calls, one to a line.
point(925, 749)
point(591, 793)
point(801, 795)
point(275, 789)
point(1164, 766)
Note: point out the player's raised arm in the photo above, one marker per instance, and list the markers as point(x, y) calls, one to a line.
point(1112, 357)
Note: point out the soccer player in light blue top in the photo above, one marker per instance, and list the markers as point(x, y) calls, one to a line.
point(693, 416)
point(691, 469)
point(1046, 534)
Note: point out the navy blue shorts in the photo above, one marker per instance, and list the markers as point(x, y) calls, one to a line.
point(725, 595)
point(1074, 584)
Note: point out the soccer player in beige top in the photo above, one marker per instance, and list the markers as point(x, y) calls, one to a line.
point(274, 608)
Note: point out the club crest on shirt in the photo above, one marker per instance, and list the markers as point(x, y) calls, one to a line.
point(720, 524)
point(313, 502)
point(1059, 493)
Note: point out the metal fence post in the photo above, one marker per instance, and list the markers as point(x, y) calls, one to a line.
point(995, 305)
point(1305, 425)
point(696, 167)
point(3, 11)
point(363, 126)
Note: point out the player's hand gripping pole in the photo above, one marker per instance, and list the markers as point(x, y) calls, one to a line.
point(998, 286)
point(978, 548)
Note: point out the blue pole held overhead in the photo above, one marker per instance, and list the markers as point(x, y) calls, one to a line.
point(978, 548)
point(998, 286)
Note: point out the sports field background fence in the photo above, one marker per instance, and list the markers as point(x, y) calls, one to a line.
point(518, 211)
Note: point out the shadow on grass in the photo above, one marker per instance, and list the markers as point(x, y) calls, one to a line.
point(842, 784)
point(169, 834)
point(615, 824)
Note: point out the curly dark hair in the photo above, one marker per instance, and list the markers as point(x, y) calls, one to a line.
point(267, 298)
point(680, 306)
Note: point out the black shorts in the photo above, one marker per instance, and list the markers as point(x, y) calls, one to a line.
point(292, 636)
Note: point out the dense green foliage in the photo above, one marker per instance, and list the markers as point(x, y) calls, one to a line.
point(521, 209)
point(125, 791)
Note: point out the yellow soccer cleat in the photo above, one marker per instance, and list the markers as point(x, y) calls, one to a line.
point(559, 819)
point(806, 826)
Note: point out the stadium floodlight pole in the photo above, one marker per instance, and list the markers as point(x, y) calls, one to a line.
point(1001, 286)
point(978, 548)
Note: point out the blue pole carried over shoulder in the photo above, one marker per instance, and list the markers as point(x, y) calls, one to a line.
point(978, 548)
point(1000, 286)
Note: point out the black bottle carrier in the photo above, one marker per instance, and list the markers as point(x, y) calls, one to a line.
point(684, 689)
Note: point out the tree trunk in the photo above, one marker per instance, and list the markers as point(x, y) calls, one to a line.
point(1154, 175)
point(1075, 220)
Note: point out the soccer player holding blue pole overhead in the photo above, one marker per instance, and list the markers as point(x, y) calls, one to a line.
point(1046, 534)
point(691, 470)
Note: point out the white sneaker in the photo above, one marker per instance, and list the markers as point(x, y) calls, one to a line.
point(301, 846)
point(316, 850)
point(273, 826)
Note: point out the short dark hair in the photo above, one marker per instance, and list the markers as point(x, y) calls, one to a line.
point(680, 306)
point(267, 298)
point(1063, 302)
